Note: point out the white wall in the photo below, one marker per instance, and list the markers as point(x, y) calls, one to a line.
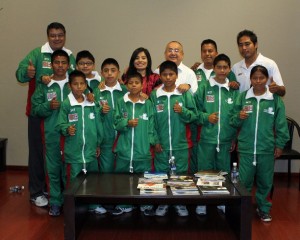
point(116, 28)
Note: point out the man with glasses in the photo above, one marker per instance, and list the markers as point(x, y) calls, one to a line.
point(35, 69)
point(186, 77)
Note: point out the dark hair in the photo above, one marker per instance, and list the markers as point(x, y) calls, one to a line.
point(221, 57)
point(135, 75)
point(61, 53)
point(76, 73)
point(110, 61)
point(131, 69)
point(209, 41)
point(259, 68)
point(55, 25)
point(168, 65)
point(84, 54)
point(247, 33)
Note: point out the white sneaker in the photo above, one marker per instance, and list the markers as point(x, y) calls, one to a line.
point(100, 210)
point(221, 208)
point(146, 207)
point(201, 210)
point(162, 210)
point(40, 201)
point(181, 210)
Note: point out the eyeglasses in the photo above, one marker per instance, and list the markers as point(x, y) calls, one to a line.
point(85, 63)
point(61, 35)
point(175, 50)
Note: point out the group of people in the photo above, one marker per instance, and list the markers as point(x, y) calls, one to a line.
point(80, 120)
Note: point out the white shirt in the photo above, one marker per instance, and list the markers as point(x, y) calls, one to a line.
point(185, 76)
point(242, 73)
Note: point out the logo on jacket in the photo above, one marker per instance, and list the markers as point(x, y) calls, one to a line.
point(73, 117)
point(51, 95)
point(210, 98)
point(160, 107)
point(144, 116)
point(92, 115)
point(269, 110)
point(229, 100)
point(248, 108)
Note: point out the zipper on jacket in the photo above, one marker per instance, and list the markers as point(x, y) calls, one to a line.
point(219, 121)
point(132, 141)
point(83, 145)
point(169, 123)
point(255, 134)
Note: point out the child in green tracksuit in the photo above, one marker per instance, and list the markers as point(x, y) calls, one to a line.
point(46, 102)
point(79, 121)
point(173, 112)
point(260, 116)
point(106, 96)
point(133, 119)
point(214, 99)
point(85, 62)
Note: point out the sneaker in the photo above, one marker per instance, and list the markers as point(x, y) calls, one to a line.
point(265, 217)
point(54, 211)
point(149, 212)
point(221, 208)
point(116, 211)
point(146, 207)
point(40, 201)
point(162, 210)
point(121, 209)
point(100, 210)
point(181, 210)
point(201, 210)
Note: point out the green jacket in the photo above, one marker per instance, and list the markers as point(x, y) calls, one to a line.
point(212, 97)
point(80, 148)
point(133, 143)
point(41, 59)
point(41, 106)
point(266, 126)
point(173, 129)
point(109, 96)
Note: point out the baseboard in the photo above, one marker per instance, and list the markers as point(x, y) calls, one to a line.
point(17, 168)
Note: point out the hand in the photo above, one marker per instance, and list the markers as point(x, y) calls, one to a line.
point(177, 108)
point(72, 130)
point(90, 97)
point(234, 85)
point(101, 85)
point(195, 66)
point(133, 122)
point(243, 115)
point(158, 148)
point(98, 152)
point(182, 88)
point(277, 152)
point(213, 118)
point(143, 96)
point(273, 87)
point(54, 104)
point(105, 108)
point(30, 70)
point(46, 79)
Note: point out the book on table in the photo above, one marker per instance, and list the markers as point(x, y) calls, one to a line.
point(210, 190)
point(155, 175)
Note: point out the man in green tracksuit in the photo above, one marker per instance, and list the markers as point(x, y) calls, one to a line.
point(45, 104)
point(260, 115)
point(79, 122)
point(107, 98)
point(35, 65)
